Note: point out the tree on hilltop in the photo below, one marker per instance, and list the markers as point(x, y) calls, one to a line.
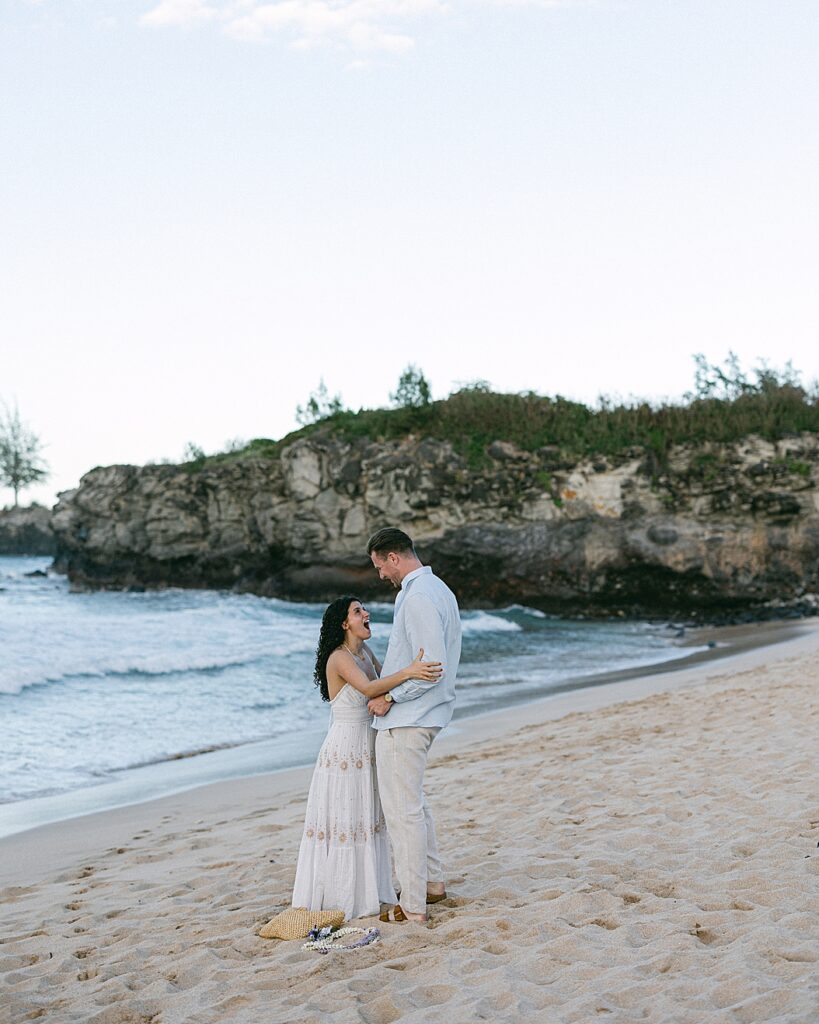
point(413, 389)
point(21, 462)
point(318, 406)
point(730, 382)
point(193, 453)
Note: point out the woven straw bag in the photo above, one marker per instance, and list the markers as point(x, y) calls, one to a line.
point(297, 922)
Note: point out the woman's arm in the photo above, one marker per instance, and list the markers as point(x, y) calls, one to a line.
point(343, 664)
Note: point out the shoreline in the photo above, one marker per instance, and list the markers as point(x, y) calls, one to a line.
point(182, 772)
point(644, 850)
point(77, 836)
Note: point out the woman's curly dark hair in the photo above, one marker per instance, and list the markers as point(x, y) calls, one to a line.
point(330, 637)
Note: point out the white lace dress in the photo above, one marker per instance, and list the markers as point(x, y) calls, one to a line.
point(344, 857)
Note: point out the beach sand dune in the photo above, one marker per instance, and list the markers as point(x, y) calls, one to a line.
point(655, 860)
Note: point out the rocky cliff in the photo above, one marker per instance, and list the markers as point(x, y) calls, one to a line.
point(719, 528)
point(26, 531)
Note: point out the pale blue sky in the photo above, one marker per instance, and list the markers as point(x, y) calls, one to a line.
point(207, 206)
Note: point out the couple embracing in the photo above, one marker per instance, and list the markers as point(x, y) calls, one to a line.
point(367, 789)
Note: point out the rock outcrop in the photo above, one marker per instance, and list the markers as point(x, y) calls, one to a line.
point(720, 528)
point(26, 531)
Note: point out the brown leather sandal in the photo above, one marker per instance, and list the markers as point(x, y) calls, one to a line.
point(432, 897)
point(398, 915)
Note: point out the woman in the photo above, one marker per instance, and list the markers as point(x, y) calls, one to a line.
point(344, 857)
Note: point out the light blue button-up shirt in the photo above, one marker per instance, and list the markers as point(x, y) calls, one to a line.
point(426, 615)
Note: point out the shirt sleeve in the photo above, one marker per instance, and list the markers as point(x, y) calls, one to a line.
point(424, 628)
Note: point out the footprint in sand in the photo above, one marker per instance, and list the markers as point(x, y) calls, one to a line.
point(16, 963)
point(705, 935)
point(380, 1011)
point(603, 922)
point(549, 894)
point(365, 985)
point(14, 893)
point(496, 948)
point(22, 936)
point(431, 995)
point(488, 1008)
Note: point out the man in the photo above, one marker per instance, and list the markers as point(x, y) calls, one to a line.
point(411, 715)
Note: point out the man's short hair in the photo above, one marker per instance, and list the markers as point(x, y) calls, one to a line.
point(390, 540)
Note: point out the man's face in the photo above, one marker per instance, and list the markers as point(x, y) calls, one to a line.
point(388, 568)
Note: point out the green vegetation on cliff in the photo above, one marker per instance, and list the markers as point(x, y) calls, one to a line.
point(725, 405)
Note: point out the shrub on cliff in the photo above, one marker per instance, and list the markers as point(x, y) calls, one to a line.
point(727, 404)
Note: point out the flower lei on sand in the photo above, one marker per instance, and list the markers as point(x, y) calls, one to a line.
point(323, 940)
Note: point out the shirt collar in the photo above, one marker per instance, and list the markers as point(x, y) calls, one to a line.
point(423, 571)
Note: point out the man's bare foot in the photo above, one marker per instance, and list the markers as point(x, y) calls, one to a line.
point(418, 918)
point(436, 891)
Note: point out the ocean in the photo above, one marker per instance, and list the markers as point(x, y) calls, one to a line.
point(155, 688)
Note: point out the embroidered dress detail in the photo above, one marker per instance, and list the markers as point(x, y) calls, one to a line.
point(344, 857)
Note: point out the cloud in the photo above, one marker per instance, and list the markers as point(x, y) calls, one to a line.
point(363, 26)
point(181, 12)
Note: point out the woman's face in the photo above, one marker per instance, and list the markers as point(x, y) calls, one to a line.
point(358, 621)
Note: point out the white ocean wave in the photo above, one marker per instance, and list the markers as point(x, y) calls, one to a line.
point(486, 622)
point(524, 609)
point(37, 669)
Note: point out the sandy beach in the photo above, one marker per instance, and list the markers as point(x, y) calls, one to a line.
point(643, 851)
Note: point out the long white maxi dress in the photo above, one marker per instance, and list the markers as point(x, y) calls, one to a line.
point(344, 857)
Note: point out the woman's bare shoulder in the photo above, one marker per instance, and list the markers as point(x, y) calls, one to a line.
point(337, 658)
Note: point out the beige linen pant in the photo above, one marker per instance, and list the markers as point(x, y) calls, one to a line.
point(401, 757)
